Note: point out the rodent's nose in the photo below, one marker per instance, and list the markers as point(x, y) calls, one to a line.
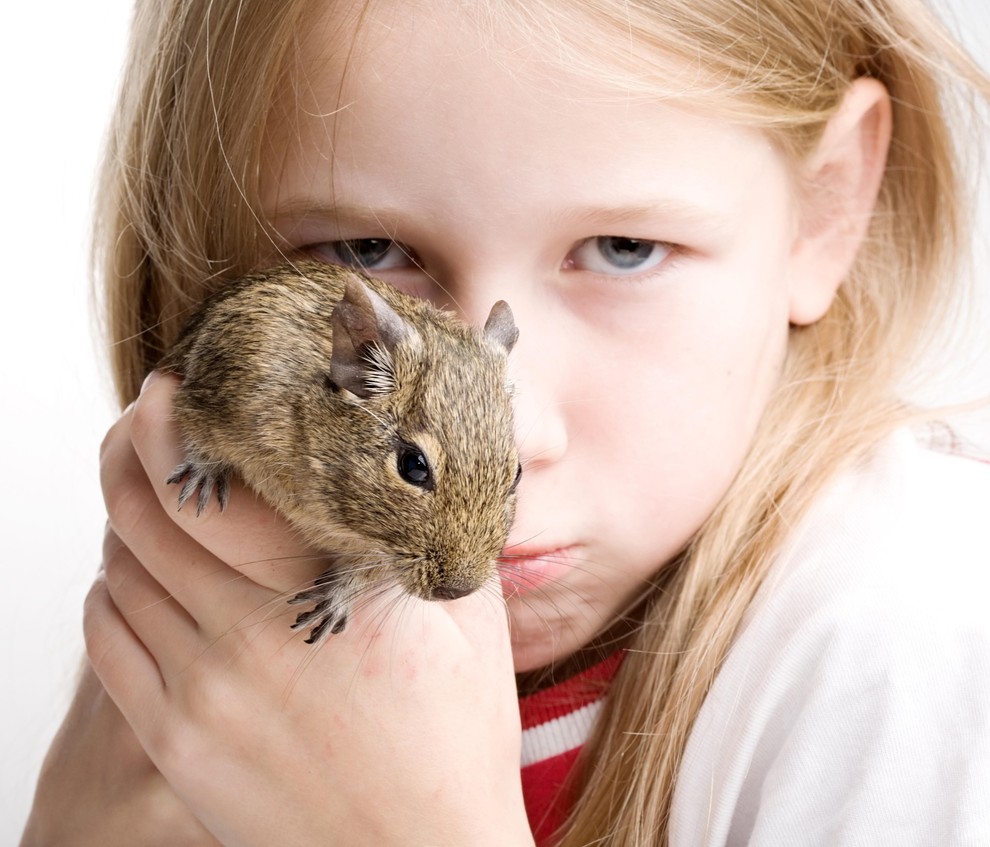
point(449, 592)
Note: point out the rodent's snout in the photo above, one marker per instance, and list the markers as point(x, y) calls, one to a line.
point(437, 578)
point(450, 592)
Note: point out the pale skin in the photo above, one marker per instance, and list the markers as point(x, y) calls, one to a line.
point(654, 286)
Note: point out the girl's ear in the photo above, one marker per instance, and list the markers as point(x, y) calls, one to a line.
point(839, 185)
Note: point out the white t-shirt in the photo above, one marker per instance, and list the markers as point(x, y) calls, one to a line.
point(854, 706)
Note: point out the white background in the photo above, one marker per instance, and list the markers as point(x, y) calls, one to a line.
point(60, 66)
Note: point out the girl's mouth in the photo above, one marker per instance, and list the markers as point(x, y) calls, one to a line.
point(523, 570)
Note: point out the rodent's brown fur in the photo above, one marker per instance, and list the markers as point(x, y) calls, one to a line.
point(315, 430)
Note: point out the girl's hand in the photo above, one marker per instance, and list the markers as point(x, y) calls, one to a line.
point(98, 788)
point(403, 729)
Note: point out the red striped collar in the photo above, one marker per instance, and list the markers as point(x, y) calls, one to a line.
point(580, 695)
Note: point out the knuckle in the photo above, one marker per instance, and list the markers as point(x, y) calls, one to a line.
point(126, 488)
point(178, 738)
point(152, 410)
point(171, 745)
point(126, 494)
point(145, 420)
point(112, 448)
point(108, 439)
point(95, 631)
point(117, 560)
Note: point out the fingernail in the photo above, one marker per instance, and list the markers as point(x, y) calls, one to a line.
point(149, 380)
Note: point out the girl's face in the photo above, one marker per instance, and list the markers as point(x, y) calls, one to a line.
point(646, 252)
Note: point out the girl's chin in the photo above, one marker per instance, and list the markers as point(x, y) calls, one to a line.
point(543, 633)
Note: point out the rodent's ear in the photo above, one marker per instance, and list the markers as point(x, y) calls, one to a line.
point(501, 326)
point(364, 327)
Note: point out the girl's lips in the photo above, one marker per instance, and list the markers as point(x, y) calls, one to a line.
point(526, 570)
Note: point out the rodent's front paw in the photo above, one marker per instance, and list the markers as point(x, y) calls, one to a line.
point(199, 475)
point(329, 615)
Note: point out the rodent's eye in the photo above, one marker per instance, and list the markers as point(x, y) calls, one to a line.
point(413, 467)
point(515, 482)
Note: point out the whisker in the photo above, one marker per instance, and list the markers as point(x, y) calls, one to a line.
point(356, 600)
point(526, 540)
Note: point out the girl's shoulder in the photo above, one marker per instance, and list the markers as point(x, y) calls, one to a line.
point(904, 534)
point(853, 707)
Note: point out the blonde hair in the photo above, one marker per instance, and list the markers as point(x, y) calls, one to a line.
point(179, 214)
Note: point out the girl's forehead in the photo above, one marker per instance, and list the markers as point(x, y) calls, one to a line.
point(409, 106)
point(442, 41)
point(370, 56)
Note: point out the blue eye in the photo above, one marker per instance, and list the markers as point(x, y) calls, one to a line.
point(618, 256)
point(370, 254)
point(413, 467)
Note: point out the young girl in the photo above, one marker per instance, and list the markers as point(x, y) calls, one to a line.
point(742, 601)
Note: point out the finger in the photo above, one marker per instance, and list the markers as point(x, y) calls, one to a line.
point(127, 670)
point(215, 595)
point(93, 711)
point(171, 634)
point(248, 534)
point(481, 615)
point(159, 622)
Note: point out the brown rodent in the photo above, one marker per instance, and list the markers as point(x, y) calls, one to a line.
point(380, 426)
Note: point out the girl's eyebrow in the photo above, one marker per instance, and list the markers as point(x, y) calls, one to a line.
point(666, 210)
point(296, 209)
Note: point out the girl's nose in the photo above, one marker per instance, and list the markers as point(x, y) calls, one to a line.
point(537, 365)
point(538, 372)
point(540, 419)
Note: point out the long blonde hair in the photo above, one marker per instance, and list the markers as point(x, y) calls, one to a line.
point(179, 214)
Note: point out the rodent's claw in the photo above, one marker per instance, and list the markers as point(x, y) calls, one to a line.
point(202, 477)
point(331, 620)
point(330, 612)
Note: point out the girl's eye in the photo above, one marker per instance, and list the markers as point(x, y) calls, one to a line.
point(370, 254)
point(617, 255)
